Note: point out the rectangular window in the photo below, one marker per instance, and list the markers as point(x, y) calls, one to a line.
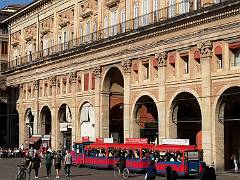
point(93, 81)
point(155, 11)
point(219, 62)
point(236, 59)
point(172, 8)
point(145, 9)
point(186, 64)
point(123, 21)
point(86, 81)
point(114, 23)
point(81, 34)
point(95, 31)
point(135, 16)
point(145, 70)
point(4, 47)
point(106, 27)
point(184, 6)
point(88, 28)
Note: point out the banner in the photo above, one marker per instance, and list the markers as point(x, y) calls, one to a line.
point(136, 141)
point(175, 141)
point(104, 140)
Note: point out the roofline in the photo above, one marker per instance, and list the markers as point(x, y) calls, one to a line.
point(24, 10)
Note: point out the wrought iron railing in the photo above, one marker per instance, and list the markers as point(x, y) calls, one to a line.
point(121, 28)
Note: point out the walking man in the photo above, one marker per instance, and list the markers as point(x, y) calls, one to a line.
point(48, 163)
point(67, 163)
point(57, 163)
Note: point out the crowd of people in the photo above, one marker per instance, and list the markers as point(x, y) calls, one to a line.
point(11, 152)
point(33, 160)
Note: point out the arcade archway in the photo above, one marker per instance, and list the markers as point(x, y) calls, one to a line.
point(186, 115)
point(146, 117)
point(229, 117)
point(3, 124)
point(87, 121)
point(46, 121)
point(65, 121)
point(113, 90)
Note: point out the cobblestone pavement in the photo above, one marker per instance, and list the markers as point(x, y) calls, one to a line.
point(8, 171)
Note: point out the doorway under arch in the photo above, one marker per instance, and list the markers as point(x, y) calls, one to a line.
point(113, 90)
point(65, 122)
point(186, 115)
point(146, 117)
point(229, 117)
point(46, 120)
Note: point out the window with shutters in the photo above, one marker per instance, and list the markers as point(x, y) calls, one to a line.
point(4, 47)
point(114, 23)
point(172, 8)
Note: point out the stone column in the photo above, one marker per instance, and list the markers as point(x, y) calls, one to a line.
point(162, 125)
point(55, 126)
point(75, 119)
point(206, 57)
point(22, 123)
point(98, 75)
point(35, 110)
point(126, 64)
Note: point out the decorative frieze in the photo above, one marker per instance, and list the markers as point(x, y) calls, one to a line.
point(97, 71)
point(161, 58)
point(73, 78)
point(205, 49)
point(53, 81)
point(126, 64)
point(36, 85)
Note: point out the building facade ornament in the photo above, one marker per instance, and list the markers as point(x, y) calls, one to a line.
point(97, 71)
point(36, 85)
point(53, 81)
point(205, 49)
point(73, 77)
point(161, 58)
point(126, 64)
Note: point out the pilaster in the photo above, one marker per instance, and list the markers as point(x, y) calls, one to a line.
point(55, 132)
point(22, 123)
point(126, 64)
point(75, 120)
point(206, 57)
point(98, 76)
point(35, 110)
point(162, 60)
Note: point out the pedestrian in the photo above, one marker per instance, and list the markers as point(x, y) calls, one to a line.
point(48, 163)
point(212, 174)
point(173, 175)
point(235, 161)
point(151, 171)
point(168, 172)
point(57, 163)
point(28, 165)
point(67, 163)
point(36, 164)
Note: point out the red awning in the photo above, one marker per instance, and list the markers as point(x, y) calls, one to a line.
point(33, 140)
point(234, 45)
point(197, 55)
point(135, 67)
point(171, 59)
point(218, 50)
point(155, 62)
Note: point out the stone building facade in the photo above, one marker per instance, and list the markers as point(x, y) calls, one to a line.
point(114, 68)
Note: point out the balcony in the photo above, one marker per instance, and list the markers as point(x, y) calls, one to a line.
point(64, 22)
point(86, 13)
point(111, 3)
point(154, 21)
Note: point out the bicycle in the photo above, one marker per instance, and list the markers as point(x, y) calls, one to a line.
point(117, 172)
point(22, 175)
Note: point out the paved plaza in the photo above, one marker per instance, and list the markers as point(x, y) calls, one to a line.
point(8, 170)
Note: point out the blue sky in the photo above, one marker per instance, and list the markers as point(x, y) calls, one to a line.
point(4, 3)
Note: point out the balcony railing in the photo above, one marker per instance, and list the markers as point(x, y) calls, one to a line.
point(121, 28)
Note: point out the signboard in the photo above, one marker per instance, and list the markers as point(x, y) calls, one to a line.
point(104, 140)
point(65, 126)
point(193, 155)
point(85, 138)
point(175, 141)
point(136, 141)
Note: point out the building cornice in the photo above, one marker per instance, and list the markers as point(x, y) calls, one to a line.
point(27, 9)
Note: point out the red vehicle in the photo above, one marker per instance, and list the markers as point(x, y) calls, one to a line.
point(99, 155)
point(78, 152)
point(137, 156)
point(186, 160)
